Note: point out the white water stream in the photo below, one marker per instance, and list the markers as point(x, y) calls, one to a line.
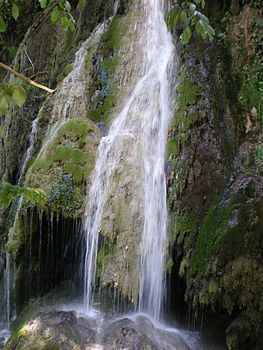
point(145, 118)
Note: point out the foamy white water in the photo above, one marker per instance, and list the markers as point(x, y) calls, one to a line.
point(145, 119)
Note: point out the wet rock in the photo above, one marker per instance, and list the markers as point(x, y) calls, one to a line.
point(64, 330)
point(124, 334)
point(56, 330)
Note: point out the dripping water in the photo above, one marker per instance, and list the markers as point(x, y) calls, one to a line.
point(71, 92)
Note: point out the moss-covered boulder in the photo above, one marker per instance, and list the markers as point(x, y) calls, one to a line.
point(62, 170)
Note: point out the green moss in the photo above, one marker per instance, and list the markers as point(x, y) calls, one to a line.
point(180, 227)
point(184, 118)
point(75, 171)
point(76, 128)
point(64, 153)
point(183, 267)
point(107, 251)
point(169, 265)
point(102, 91)
point(211, 234)
point(112, 38)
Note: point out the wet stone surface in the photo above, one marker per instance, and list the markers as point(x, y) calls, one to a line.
point(64, 330)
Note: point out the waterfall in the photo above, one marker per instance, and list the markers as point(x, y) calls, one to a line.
point(144, 120)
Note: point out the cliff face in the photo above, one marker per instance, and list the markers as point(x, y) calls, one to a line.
point(214, 161)
point(215, 180)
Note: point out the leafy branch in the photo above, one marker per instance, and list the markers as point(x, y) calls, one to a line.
point(58, 9)
point(191, 19)
point(15, 94)
point(9, 193)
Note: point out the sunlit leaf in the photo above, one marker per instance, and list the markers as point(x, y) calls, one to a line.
point(186, 35)
point(55, 14)
point(43, 3)
point(19, 96)
point(64, 22)
point(71, 26)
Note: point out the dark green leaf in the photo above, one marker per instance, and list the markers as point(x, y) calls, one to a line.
point(2, 25)
point(3, 104)
point(15, 11)
point(174, 16)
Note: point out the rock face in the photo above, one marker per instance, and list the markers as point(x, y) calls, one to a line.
point(215, 177)
point(63, 330)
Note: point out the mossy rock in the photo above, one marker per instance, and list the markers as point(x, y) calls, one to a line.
point(63, 166)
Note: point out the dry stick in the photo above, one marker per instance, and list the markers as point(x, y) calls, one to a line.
point(27, 80)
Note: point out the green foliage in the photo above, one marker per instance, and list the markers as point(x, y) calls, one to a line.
point(10, 96)
point(186, 14)
point(15, 11)
point(60, 12)
point(8, 9)
point(9, 193)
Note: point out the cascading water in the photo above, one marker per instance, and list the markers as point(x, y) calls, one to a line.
point(144, 119)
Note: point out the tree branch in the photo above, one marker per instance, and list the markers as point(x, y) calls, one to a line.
point(24, 78)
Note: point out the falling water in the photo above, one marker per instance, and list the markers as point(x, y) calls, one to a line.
point(145, 119)
point(8, 268)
